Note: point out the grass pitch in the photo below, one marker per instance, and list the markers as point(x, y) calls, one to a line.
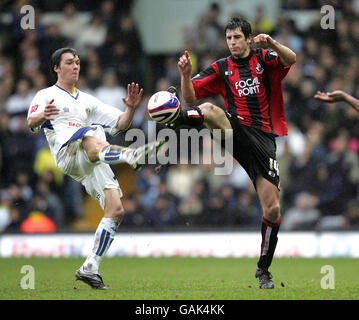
point(180, 279)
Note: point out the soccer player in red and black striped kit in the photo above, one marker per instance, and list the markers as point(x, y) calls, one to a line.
point(249, 80)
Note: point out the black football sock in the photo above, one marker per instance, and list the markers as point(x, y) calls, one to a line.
point(191, 116)
point(269, 242)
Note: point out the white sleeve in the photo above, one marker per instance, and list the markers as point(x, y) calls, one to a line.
point(37, 105)
point(105, 115)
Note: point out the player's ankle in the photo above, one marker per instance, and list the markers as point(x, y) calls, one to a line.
point(193, 116)
point(113, 154)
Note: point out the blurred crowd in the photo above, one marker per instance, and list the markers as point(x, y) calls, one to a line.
point(318, 160)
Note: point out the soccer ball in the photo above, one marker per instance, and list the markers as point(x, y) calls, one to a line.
point(164, 107)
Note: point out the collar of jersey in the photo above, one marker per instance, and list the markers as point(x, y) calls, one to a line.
point(239, 60)
point(77, 91)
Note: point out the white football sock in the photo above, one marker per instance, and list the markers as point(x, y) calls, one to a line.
point(113, 154)
point(104, 236)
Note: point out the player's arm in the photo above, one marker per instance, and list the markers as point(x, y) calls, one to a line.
point(134, 95)
point(286, 56)
point(36, 119)
point(185, 70)
point(336, 96)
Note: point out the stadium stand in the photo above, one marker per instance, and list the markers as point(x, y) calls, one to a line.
point(319, 160)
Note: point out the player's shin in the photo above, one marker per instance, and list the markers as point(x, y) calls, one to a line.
point(104, 236)
point(269, 242)
point(136, 158)
point(113, 154)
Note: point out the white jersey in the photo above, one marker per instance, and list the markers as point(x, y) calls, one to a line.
point(81, 110)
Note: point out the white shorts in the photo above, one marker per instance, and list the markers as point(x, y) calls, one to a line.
point(94, 176)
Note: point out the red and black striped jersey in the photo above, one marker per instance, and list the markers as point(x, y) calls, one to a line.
point(251, 88)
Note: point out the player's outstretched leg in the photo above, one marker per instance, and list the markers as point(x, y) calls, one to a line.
point(189, 116)
point(208, 114)
point(136, 158)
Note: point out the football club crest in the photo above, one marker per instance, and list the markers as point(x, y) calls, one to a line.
point(259, 68)
point(271, 173)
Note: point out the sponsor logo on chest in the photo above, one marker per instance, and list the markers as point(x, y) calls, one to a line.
point(74, 124)
point(248, 86)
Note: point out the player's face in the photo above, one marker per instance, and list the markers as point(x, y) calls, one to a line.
point(69, 68)
point(237, 44)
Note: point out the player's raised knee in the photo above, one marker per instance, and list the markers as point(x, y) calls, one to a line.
point(209, 110)
point(213, 114)
point(118, 213)
point(93, 146)
point(272, 212)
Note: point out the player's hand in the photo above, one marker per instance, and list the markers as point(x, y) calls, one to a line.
point(185, 65)
point(335, 96)
point(134, 95)
point(264, 41)
point(50, 111)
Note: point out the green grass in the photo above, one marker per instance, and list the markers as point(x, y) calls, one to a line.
point(180, 279)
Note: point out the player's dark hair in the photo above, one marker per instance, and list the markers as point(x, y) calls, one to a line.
point(239, 22)
point(56, 58)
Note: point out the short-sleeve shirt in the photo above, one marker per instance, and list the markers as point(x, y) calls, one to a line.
point(76, 111)
point(251, 88)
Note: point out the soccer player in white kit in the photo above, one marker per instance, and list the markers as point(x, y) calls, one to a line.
point(74, 124)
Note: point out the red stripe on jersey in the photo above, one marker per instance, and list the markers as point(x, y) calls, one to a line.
point(208, 83)
point(277, 111)
point(240, 100)
point(276, 74)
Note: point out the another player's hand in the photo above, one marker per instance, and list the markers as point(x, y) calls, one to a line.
point(50, 111)
point(334, 96)
point(134, 95)
point(185, 65)
point(264, 41)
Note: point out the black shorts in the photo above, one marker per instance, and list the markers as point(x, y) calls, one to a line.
point(255, 151)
